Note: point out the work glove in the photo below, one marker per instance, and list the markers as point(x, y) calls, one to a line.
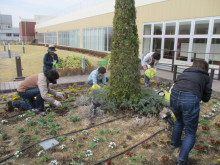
point(57, 103)
point(60, 94)
point(54, 63)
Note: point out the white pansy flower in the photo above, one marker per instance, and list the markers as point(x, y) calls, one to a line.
point(40, 153)
point(4, 121)
point(88, 153)
point(112, 145)
point(54, 162)
point(18, 154)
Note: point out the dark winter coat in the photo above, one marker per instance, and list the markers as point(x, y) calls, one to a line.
point(195, 80)
point(47, 61)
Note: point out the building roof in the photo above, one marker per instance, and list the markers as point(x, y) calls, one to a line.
point(87, 8)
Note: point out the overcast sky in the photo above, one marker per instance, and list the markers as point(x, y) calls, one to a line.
point(28, 8)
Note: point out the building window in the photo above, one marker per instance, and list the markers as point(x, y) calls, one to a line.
point(16, 35)
point(40, 38)
point(201, 27)
point(214, 57)
point(51, 37)
point(147, 29)
point(109, 38)
point(184, 28)
point(69, 38)
point(97, 38)
point(146, 46)
point(199, 47)
point(170, 28)
point(157, 44)
point(193, 37)
point(158, 29)
point(168, 48)
point(182, 49)
point(8, 34)
point(216, 29)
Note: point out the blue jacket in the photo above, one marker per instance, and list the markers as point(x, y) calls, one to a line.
point(94, 77)
point(195, 80)
point(47, 61)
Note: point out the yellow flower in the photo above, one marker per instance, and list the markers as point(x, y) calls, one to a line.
point(71, 90)
point(15, 97)
point(70, 87)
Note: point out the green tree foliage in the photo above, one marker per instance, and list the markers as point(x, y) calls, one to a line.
point(125, 73)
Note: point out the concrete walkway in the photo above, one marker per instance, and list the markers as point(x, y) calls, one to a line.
point(161, 75)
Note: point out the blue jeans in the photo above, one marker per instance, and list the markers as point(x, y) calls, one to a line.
point(29, 101)
point(186, 107)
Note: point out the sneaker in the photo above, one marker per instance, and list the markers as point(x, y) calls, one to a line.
point(179, 162)
point(9, 107)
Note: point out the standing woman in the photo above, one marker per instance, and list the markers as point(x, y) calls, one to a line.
point(50, 59)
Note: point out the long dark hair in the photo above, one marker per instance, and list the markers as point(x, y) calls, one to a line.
point(52, 76)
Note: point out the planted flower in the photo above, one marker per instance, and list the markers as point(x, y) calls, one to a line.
point(15, 97)
point(169, 134)
point(21, 116)
point(85, 132)
point(4, 121)
point(164, 158)
point(109, 162)
point(3, 97)
point(205, 116)
point(112, 145)
point(214, 142)
point(18, 154)
point(72, 138)
point(217, 124)
point(54, 162)
point(95, 139)
point(214, 110)
point(63, 147)
point(198, 147)
point(28, 118)
point(205, 127)
point(129, 153)
point(71, 90)
point(145, 146)
point(40, 153)
point(211, 114)
point(88, 153)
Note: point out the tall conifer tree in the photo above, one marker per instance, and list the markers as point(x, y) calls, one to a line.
point(125, 73)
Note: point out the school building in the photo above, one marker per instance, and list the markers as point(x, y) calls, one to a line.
point(179, 29)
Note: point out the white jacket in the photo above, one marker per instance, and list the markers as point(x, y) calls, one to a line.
point(147, 59)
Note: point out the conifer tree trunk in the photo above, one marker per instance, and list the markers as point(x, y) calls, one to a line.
point(125, 72)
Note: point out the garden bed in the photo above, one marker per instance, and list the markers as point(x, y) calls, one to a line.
point(97, 143)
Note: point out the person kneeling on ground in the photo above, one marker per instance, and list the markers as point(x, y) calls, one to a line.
point(36, 85)
point(148, 61)
point(98, 76)
point(192, 86)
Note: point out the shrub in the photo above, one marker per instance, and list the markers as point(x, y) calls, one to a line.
point(125, 73)
point(72, 62)
point(149, 102)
